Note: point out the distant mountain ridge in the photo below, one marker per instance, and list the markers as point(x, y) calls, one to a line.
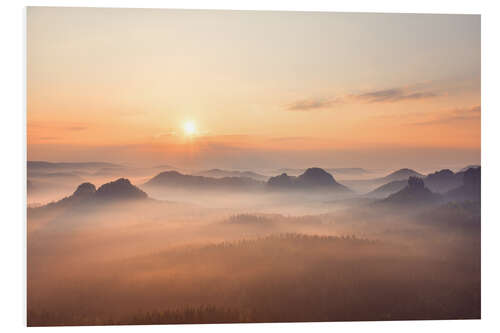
point(348, 171)
point(472, 166)
point(367, 185)
point(401, 174)
point(440, 181)
point(389, 188)
point(312, 178)
point(413, 194)
point(416, 193)
point(470, 189)
point(342, 171)
point(175, 179)
point(118, 190)
point(219, 173)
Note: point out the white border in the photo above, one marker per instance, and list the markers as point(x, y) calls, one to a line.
point(12, 88)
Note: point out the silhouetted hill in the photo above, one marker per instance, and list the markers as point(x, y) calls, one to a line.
point(439, 182)
point(401, 174)
point(414, 194)
point(443, 180)
point(86, 193)
point(334, 171)
point(218, 173)
point(389, 188)
point(120, 189)
point(367, 185)
point(469, 167)
point(84, 190)
point(312, 178)
point(174, 179)
point(49, 177)
point(316, 178)
point(470, 189)
point(281, 181)
point(83, 194)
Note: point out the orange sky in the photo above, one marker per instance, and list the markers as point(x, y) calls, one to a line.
point(120, 84)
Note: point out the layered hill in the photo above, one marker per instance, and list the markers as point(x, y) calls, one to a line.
point(347, 171)
point(86, 193)
point(177, 180)
point(470, 190)
point(312, 178)
point(415, 193)
point(219, 173)
point(366, 185)
point(441, 182)
point(334, 171)
point(400, 174)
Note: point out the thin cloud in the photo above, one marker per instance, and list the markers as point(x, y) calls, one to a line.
point(312, 104)
point(392, 95)
point(454, 115)
point(376, 96)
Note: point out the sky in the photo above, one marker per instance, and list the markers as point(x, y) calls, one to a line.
point(250, 89)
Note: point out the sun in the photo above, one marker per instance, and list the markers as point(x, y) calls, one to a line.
point(189, 128)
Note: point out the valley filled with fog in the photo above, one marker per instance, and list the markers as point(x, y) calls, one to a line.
point(113, 244)
point(217, 166)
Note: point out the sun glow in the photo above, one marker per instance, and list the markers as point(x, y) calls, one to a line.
point(189, 128)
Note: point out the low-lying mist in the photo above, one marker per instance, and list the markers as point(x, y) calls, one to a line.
point(206, 256)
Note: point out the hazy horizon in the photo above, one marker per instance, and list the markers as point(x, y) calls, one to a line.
point(282, 103)
point(250, 89)
point(271, 168)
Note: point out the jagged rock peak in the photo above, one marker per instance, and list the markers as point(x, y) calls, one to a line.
point(316, 177)
point(415, 183)
point(281, 180)
point(120, 188)
point(85, 189)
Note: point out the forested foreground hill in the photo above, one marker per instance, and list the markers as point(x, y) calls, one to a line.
point(279, 278)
